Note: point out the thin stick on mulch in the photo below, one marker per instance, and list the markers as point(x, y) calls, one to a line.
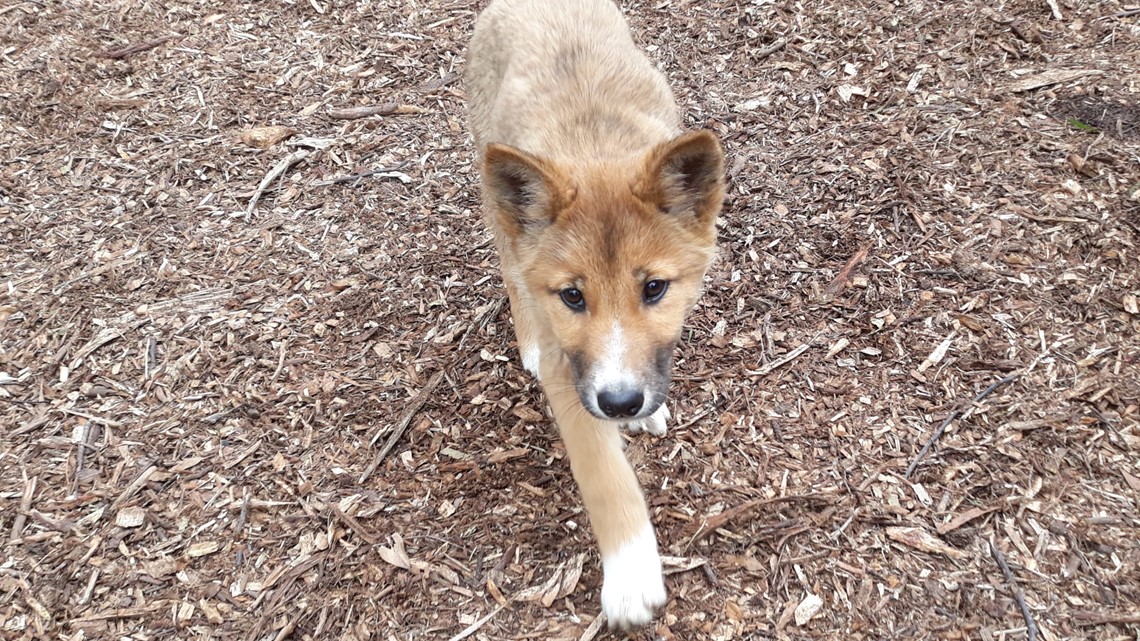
point(474, 627)
point(402, 424)
point(1018, 595)
point(958, 411)
point(119, 54)
point(490, 311)
point(720, 520)
point(387, 172)
point(386, 109)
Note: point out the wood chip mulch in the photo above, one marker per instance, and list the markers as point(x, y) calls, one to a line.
point(257, 380)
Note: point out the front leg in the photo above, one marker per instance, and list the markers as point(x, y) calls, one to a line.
point(633, 585)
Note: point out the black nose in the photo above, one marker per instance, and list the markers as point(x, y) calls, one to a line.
point(620, 403)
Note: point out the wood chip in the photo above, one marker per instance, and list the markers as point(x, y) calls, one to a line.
point(1051, 77)
point(924, 541)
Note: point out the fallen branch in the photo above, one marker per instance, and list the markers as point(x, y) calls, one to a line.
point(387, 172)
point(489, 311)
point(354, 525)
point(313, 145)
point(594, 628)
point(386, 109)
point(779, 362)
point(761, 54)
point(1127, 13)
point(1101, 618)
point(471, 629)
point(720, 520)
point(25, 507)
point(1018, 595)
point(278, 169)
point(958, 411)
point(839, 283)
point(119, 54)
point(402, 424)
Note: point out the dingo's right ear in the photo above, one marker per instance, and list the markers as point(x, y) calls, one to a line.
point(526, 192)
point(685, 177)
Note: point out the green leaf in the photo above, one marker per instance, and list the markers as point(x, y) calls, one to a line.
point(1081, 125)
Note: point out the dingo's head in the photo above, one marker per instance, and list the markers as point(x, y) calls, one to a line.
point(613, 254)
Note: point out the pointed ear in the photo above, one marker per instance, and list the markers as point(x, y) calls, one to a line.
point(525, 193)
point(685, 177)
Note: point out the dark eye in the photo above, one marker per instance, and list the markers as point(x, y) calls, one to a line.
point(573, 298)
point(654, 290)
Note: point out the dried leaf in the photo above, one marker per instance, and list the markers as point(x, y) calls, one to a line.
point(266, 137)
point(808, 608)
point(395, 555)
point(963, 518)
point(202, 548)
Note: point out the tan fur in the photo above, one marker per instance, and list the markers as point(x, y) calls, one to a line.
point(589, 183)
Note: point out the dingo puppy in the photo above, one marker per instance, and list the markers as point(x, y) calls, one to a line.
point(603, 213)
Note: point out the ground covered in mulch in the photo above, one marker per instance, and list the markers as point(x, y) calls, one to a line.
point(928, 201)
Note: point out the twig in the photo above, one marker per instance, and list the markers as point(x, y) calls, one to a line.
point(1127, 13)
point(958, 411)
point(471, 629)
point(1018, 595)
point(25, 507)
point(119, 54)
point(696, 417)
point(402, 424)
point(387, 172)
point(839, 283)
point(779, 362)
point(1056, 8)
point(594, 628)
point(720, 520)
point(354, 525)
point(490, 311)
point(133, 487)
point(761, 54)
point(386, 109)
point(1101, 618)
point(278, 169)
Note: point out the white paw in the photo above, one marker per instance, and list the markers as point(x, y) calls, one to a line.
point(633, 586)
point(654, 423)
point(531, 359)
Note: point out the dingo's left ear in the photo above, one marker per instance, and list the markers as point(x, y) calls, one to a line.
point(526, 192)
point(685, 177)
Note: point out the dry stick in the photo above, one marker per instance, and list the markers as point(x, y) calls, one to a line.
point(761, 54)
point(386, 172)
point(1127, 13)
point(471, 629)
point(402, 424)
point(386, 109)
point(119, 54)
point(719, 520)
point(1101, 618)
point(839, 283)
point(135, 486)
point(280, 168)
point(958, 411)
point(594, 628)
point(354, 525)
point(780, 362)
point(25, 507)
point(1018, 595)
